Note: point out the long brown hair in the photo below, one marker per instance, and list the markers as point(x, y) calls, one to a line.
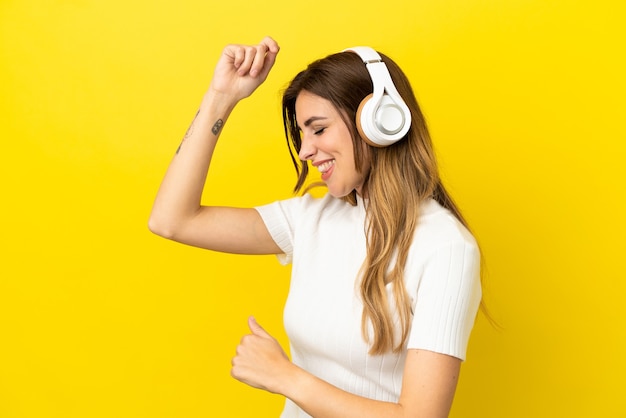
point(401, 177)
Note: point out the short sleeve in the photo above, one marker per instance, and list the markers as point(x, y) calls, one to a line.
point(276, 220)
point(447, 299)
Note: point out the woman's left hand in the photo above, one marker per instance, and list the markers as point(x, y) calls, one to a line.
point(260, 361)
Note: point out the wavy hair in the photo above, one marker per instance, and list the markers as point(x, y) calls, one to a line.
point(400, 178)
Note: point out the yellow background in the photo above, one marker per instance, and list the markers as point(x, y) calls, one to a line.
point(100, 318)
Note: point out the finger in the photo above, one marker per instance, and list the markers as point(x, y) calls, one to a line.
point(259, 60)
point(248, 58)
point(265, 58)
point(256, 328)
point(271, 44)
point(268, 63)
point(238, 55)
point(270, 59)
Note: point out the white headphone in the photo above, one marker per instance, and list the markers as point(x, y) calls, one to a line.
point(382, 118)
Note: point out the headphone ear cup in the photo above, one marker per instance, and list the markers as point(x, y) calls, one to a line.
point(361, 122)
point(382, 125)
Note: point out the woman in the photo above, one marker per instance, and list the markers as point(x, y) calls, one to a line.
point(385, 278)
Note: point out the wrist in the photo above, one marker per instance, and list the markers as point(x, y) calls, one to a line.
point(292, 379)
point(218, 103)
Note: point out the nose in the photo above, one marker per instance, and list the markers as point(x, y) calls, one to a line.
point(307, 149)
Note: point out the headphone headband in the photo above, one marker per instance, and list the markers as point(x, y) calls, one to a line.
point(366, 53)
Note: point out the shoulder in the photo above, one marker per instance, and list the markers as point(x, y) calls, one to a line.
point(308, 205)
point(438, 227)
point(308, 213)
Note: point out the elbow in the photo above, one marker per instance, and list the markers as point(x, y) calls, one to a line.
point(161, 226)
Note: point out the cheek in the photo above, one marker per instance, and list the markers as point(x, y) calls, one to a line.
point(362, 158)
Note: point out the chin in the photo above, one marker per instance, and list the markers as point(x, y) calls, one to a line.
point(343, 190)
point(338, 194)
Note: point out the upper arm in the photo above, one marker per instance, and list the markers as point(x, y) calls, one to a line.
point(225, 229)
point(429, 384)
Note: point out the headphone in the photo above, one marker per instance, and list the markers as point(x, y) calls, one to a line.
point(382, 118)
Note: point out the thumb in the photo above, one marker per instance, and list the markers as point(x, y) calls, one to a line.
point(256, 328)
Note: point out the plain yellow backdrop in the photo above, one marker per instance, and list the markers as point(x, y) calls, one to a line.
point(100, 318)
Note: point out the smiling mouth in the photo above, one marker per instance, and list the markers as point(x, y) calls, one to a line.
point(324, 167)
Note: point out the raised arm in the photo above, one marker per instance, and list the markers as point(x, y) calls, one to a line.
point(177, 213)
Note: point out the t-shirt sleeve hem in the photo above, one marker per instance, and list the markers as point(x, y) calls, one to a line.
point(278, 228)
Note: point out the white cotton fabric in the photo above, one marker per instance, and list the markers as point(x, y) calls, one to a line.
point(324, 239)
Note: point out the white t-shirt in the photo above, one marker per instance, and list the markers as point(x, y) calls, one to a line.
point(324, 239)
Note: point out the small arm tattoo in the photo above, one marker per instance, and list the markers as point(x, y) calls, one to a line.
point(217, 127)
point(189, 131)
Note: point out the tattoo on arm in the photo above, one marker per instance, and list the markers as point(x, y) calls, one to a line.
point(217, 127)
point(189, 131)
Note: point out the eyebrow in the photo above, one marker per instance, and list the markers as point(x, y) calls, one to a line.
point(313, 119)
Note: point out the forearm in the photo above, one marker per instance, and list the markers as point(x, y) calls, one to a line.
point(180, 192)
point(323, 400)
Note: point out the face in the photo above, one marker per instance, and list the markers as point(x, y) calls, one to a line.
point(327, 144)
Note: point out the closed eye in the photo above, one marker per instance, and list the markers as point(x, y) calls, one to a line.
point(319, 131)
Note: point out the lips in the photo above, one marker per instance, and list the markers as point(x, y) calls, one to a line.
point(325, 168)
